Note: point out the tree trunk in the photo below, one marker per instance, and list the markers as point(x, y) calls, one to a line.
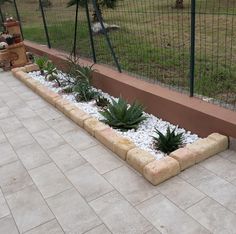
point(179, 4)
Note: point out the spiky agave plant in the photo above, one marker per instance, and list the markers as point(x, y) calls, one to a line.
point(102, 101)
point(169, 142)
point(122, 116)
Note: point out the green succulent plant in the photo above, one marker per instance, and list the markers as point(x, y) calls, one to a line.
point(122, 116)
point(42, 63)
point(67, 89)
point(51, 73)
point(77, 72)
point(102, 101)
point(84, 92)
point(169, 142)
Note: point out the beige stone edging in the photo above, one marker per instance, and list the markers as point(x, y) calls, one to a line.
point(155, 171)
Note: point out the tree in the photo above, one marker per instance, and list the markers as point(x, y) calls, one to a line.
point(100, 4)
point(4, 1)
point(179, 4)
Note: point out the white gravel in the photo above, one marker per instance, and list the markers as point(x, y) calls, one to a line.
point(142, 137)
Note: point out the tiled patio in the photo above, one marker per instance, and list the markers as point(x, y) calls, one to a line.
point(55, 178)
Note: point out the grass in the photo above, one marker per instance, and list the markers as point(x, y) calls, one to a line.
point(153, 41)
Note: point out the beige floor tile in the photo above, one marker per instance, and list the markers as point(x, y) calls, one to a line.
point(28, 208)
point(180, 192)
point(10, 124)
point(7, 153)
point(4, 211)
point(79, 139)
point(213, 216)
point(66, 157)
point(51, 227)
point(19, 138)
point(5, 112)
point(49, 180)
point(168, 218)
point(32, 156)
point(48, 113)
point(34, 124)
point(101, 158)
point(221, 167)
point(89, 182)
point(118, 215)
point(48, 139)
point(99, 230)
point(72, 212)
point(8, 226)
point(132, 186)
point(14, 177)
point(62, 125)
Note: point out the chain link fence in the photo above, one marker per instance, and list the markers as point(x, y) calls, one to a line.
point(156, 40)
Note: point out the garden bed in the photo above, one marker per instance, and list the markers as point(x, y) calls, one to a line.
point(136, 147)
point(142, 136)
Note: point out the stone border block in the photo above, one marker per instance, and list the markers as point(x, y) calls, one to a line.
point(158, 171)
point(139, 158)
point(31, 67)
point(122, 147)
point(204, 148)
point(222, 141)
point(93, 125)
point(185, 157)
point(78, 116)
point(107, 137)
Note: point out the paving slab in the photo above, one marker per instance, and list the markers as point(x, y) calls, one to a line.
point(72, 212)
point(29, 209)
point(49, 179)
point(89, 182)
point(66, 157)
point(7, 225)
point(101, 158)
point(132, 186)
point(168, 218)
point(32, 156)
point(118, 215)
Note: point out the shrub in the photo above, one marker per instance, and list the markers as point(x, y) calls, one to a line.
point(84, 92)
point(122, 116)
point(102, 101)
point(169, 142)
point(42, 63)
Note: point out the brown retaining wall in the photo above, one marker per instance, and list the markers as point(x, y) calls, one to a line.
point(190, 113)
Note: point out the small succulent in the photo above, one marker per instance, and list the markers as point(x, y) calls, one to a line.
point(120, 115)
point(42, 63)
point(51, 73)
point(84, 92)
point(102, 101)
point(77, 72)
point(169, 142)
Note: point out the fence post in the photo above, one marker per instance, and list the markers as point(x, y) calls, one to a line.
point(75, 30)
point(44, 24)
point(1, 15)
point(90, 33)
point(106, 35)
point(192, 47)
point(18, 18)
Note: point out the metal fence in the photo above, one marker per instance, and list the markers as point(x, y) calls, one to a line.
point(191, 49)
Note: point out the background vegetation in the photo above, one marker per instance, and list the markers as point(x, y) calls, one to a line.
point(153, 40)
